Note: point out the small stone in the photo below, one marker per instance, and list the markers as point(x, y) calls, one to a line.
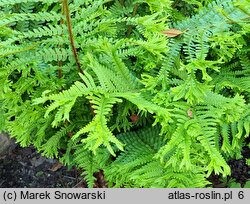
point(6, 144)
point(37, 161)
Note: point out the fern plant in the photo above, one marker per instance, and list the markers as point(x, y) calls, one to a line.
point(97, 84)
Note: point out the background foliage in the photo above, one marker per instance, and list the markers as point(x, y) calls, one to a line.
point(101, 84)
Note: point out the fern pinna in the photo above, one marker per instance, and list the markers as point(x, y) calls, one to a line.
point(74, 73)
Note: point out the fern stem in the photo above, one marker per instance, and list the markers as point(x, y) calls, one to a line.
point(60, 69)
point(135, 9)
point(122, 3)
point(133, 14)
point(175, 3)
point(71, 37)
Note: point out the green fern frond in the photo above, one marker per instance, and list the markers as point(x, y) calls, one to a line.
point(12, 2)
point(90, 162)
point(138, 167)
point(53, 144)
point(191, 89)
point(99, 134)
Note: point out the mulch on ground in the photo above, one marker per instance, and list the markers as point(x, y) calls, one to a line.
point(24, 167)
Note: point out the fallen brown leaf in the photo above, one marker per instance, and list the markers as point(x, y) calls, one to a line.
point(171, 33)
point(56, 166)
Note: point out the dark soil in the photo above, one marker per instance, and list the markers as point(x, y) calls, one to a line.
point(24, 167)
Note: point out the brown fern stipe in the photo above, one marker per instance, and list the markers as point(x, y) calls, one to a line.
point(71, 37)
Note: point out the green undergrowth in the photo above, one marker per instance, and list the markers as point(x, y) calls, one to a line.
point(153, 93)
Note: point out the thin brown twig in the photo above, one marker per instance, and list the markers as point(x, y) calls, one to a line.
point(76, 185)
point(71, 36)
point(133, 14)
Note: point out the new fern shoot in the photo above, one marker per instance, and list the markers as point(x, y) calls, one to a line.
point(101, 85)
